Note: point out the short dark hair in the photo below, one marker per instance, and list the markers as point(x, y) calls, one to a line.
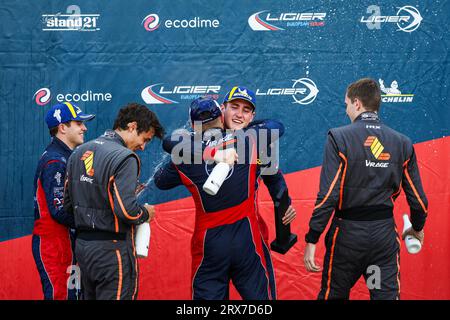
point(366, 90)
point(145, 118)
point(53, 131)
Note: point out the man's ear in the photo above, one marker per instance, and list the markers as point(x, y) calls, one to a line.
point(358, 104)
point(62, 128)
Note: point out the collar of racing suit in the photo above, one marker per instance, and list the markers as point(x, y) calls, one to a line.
point(114, 136)
point(368, 116)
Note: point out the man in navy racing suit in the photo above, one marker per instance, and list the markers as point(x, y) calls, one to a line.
point(227, 242)
point(365, 166)
point(52, 241)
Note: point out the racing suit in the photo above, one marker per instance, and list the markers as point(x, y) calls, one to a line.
point(100, 190)
point(52, 240)
point(365, 165)
point(228, 240)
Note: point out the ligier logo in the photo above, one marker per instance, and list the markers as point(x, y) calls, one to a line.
point(303, 91)
point(267, 21)
point(408, 18)
point(42, 96)
point(393, 93)
point(159, 94)
point(152, 22)
point(73, 20)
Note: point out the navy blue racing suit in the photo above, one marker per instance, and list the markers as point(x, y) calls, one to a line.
point(52, 241)
point(365, 166)
point(229, 241)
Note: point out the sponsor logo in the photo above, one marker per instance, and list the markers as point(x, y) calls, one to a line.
point(42, 96)
point(408, 18)
point(152, 22)
point(370, 126)
point(304, 91)
point(58, 177)
point(158, 93)
point(57, 115)
point(83, 178)
point(377, 151)
point(57, 203)
point(242, 93)
point(267, 21)
point(393, 94)
point(73, 20)
point(88, 159)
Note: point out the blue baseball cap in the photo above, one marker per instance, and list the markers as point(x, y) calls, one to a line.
point(241, 93)
point(204, 109)
point(65, 112)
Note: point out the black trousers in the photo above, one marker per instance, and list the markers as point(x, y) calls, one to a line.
point(109, 269)
point(361, 248)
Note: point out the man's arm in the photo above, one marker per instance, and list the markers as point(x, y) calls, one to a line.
point(167, 177)
point(412, 185)
point(275, 183)
point(328, 196)
point(67, 203)
point(52, 180)
point(122, 191)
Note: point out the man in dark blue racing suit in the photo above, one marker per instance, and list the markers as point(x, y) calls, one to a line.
point(227, 241)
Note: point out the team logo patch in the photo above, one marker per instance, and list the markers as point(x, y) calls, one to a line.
point(88, 159)
point(377, 148)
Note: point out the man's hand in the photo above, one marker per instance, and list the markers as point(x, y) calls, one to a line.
point(289, 215)
point(310, 252)
point(417, 234)
point(151, 211)
point(228, 156)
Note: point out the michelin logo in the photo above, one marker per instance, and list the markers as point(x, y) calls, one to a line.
point(393, 94)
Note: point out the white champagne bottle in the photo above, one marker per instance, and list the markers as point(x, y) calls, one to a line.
point(216, 178)
point(142, 240)
point(413, 244)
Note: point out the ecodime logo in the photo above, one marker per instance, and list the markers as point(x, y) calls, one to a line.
point(303, 91)
point(73, 20)
point(152, 22)
point(408, 18)
point(42, 96)
point(262, 21)
point(157, 93)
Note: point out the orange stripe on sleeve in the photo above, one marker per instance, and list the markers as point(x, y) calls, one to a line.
point(341, 193)
point(119, 199)
point(331, 188)
point(414, 189)
point(111, 202)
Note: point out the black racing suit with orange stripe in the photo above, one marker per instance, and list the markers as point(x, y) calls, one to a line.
point(365, 166)
point(101, 180)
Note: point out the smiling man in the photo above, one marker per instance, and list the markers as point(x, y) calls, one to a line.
point(100, 192)
point(52, 247)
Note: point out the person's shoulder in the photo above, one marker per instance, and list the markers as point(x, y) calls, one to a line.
point(402, 137)
point(342, 129)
